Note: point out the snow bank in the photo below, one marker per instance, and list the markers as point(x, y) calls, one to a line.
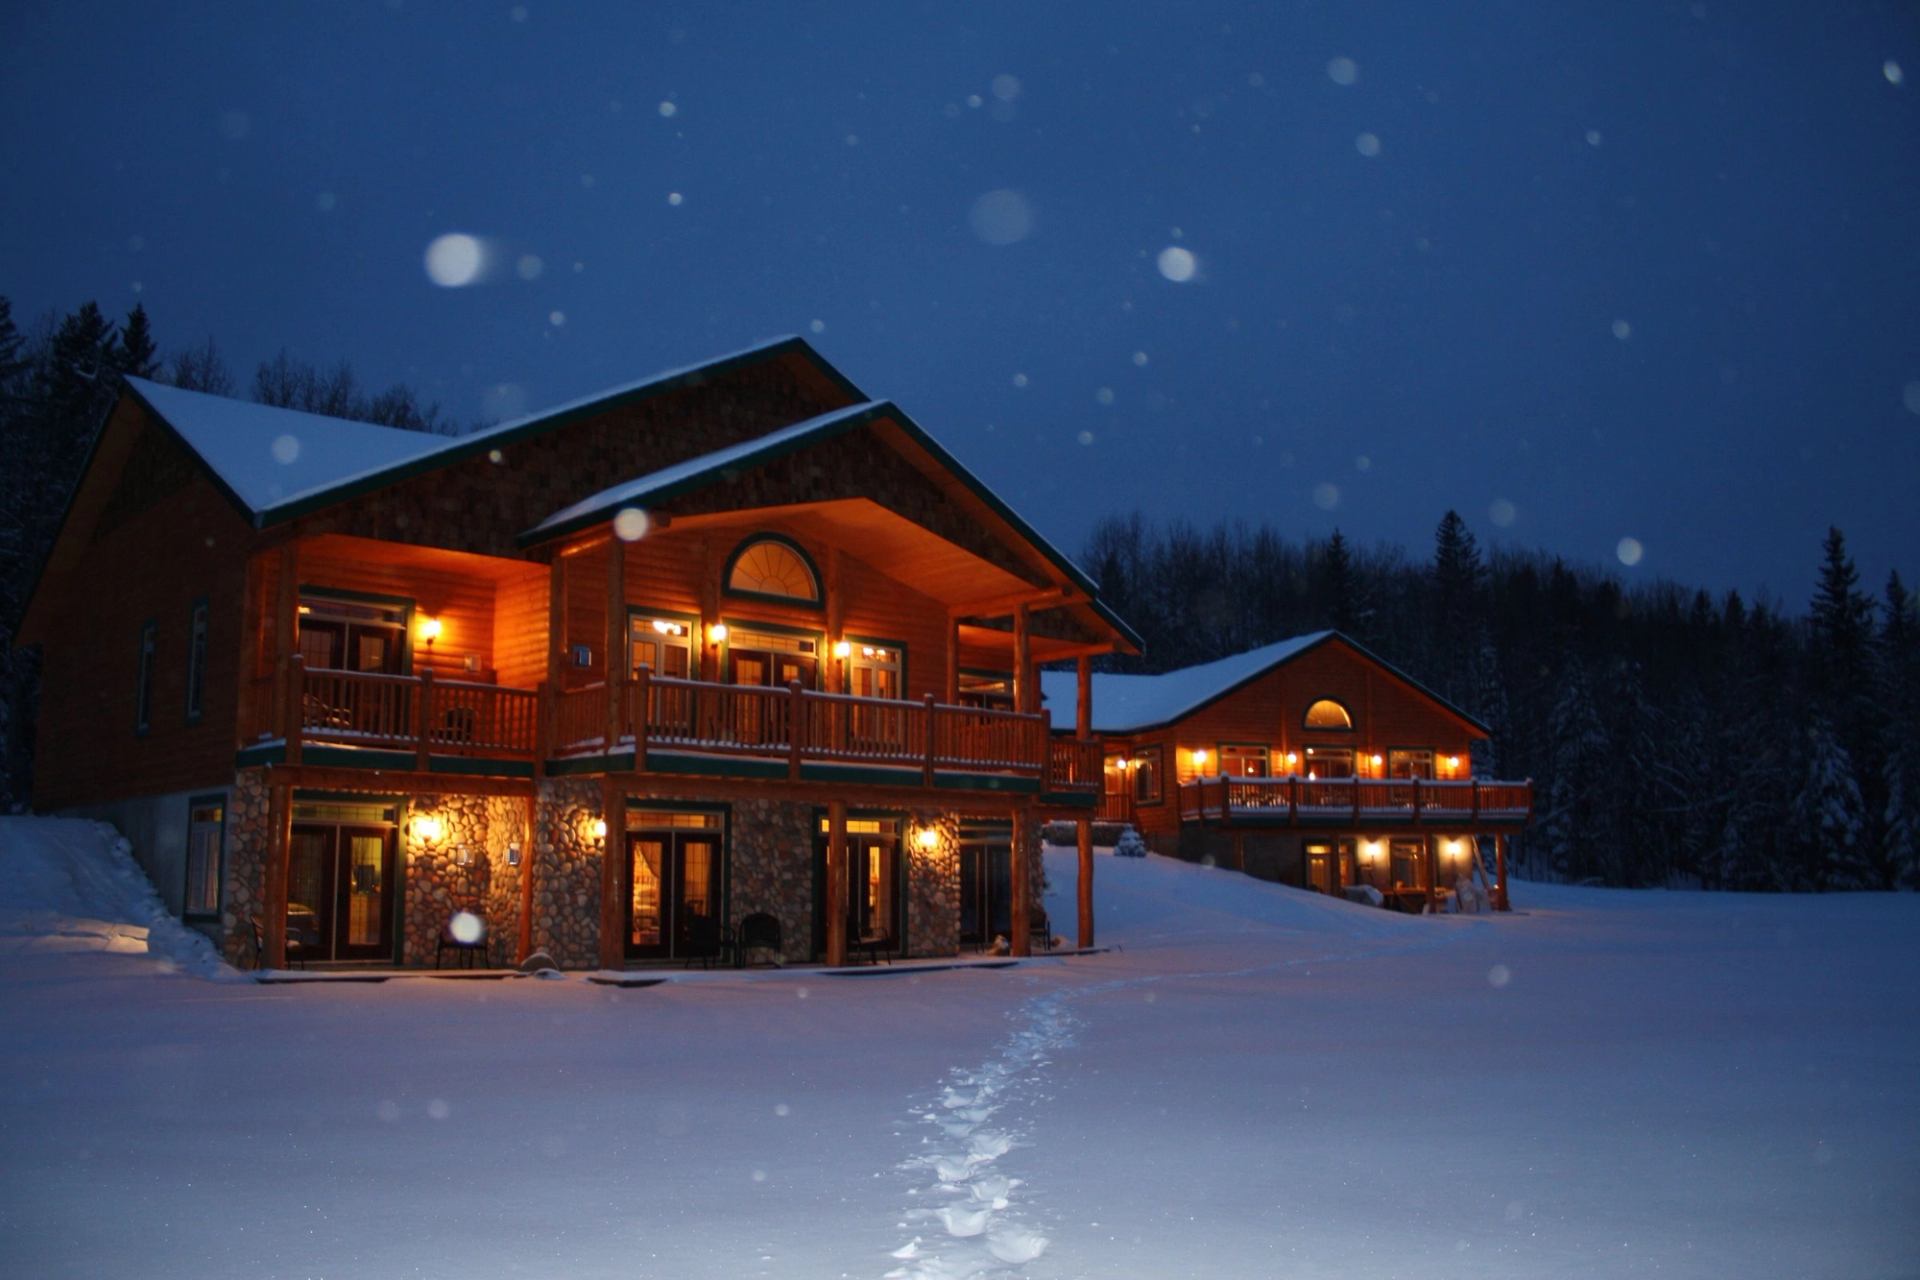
point(71, 885)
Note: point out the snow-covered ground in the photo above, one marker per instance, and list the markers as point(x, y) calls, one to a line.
point(1260, 1082)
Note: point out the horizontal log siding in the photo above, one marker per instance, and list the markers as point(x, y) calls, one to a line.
point(1387, 713)
point(520, 629)
point(463, 604)
point(163, 537)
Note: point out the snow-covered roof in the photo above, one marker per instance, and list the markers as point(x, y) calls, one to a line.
point(659, 485)
point(1123, 703)
point(275, 461)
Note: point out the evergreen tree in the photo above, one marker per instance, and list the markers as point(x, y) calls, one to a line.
point(1898, 654)
point(135, 354)
point(1342, 597)
point(1842, 666)
point(1457, 619)
point(1576, 828)
point(1829, 818)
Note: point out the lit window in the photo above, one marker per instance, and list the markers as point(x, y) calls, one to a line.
point(1410, 763)
point(1147, 766)
point(664, 644)
point(1328, 714)
point(1238, 760)
point(768, 566)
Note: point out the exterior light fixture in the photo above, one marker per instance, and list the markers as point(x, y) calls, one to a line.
point(1453, 762)
point(1292, 759)
point(599, 828)
point(428, 829)
point(1199, 757)
point(717, 632)
point(926, 839)
point(428, 630)
point(841, 649)
point(1376, 762)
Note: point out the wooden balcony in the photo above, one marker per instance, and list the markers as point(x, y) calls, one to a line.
point(1356, 803)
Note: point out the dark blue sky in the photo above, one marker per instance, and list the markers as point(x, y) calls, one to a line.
point(1584, 272)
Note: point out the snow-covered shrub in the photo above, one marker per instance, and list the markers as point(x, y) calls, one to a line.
point(1130, 845)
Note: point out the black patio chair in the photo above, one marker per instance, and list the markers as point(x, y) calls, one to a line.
point(757, 932)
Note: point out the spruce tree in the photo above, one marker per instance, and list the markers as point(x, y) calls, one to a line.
point(135, 354)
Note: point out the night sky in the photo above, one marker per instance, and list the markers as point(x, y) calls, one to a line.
point(1585, 272)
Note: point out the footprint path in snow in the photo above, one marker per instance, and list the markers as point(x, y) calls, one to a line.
point(966, 1221)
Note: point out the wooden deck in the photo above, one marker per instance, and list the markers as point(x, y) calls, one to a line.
point(674, 725)
point(1356, 803)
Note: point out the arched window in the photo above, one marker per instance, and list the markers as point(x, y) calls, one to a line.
point(1328, 714)
point(771, 567)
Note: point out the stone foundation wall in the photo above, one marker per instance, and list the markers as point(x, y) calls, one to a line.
point(506, 825)
point(933, 884)
point(772, 869)
point(244, 889)
point(453, 873)
point(566, 872)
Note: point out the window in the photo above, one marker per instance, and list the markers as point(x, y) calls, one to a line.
point(1239, 760)
point(875, 670)
point(206, 828)
point(1147, 767)
point(662, 643)
point(1328, 714)
point(773, 659)
point(773, 567)
point(143, 688)
point(1329, 762)
point(1405, 858)
point(1410, 762)
point(196, 660)
point(340, 634)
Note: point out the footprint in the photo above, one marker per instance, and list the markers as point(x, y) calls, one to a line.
point(1016, 1244)
point(990, 1146)
point(911, 1249)
point(993, 1189)
point(962, 1221)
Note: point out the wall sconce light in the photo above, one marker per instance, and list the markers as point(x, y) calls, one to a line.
point(716, 633)
point(1453, 763)
point(463, 856)
point(1200, 757)
point(1292, 759)
point(1376, 762)
point(841, 649)
point(926, 839)
point(428, 629)
point(599, 828)
point(428, 829)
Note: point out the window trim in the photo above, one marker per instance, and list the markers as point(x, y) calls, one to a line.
point(822, 649)
point(696, 641)
point(1433, 754)
point(877, 642)
point(219, 862)
point(407, 605)
point(199, 628)
point(1308, 727)
point(818, 602)
point(143, 677)
point(1264, 748)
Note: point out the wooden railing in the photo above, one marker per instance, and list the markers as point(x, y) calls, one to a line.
point(1355, 801)
point(418, 713)
point(1075, 765)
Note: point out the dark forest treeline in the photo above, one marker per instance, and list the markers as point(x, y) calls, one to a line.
point(1673, 738)
point(57, 381)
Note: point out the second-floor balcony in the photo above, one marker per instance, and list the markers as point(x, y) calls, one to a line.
point(667, 725)
point(1354, 803)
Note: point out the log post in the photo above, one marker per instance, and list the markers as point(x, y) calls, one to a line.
point(796, 727)
point(1083, 833)
point(286, 626)
point(933, 739)
point(836, 887)
point(1023, 692)
point(953, 662)
point(523, 944)
point(642, 714)
point(274, 891)
point(422, 711)
point(1416, 797)
point(1022, 914)
point(1500, 902)
point(613, 803)
point(557, 623)
point(617, 657)
point(294, 715)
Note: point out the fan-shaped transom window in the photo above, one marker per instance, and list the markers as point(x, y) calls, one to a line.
point(1328, 714)
point(772, 566)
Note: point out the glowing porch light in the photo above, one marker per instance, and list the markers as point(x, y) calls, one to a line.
point(428, 829)
point(428, 629)
point(599, 828)
point(1293, 759)
point(1453, 763)
point(842, 649)
point(926, 839)
point(716, 632)
point(1199, 757)
point(1376, 761)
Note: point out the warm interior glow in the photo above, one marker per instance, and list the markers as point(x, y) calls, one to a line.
point(428, 829)
point(927, 839)
point(841, 649)
point(717, 632)
point(428, 629)
point(666, 628)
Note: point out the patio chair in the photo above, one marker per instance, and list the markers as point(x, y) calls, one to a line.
point(467, 954)
point(757, 932)
point(1040, 929)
